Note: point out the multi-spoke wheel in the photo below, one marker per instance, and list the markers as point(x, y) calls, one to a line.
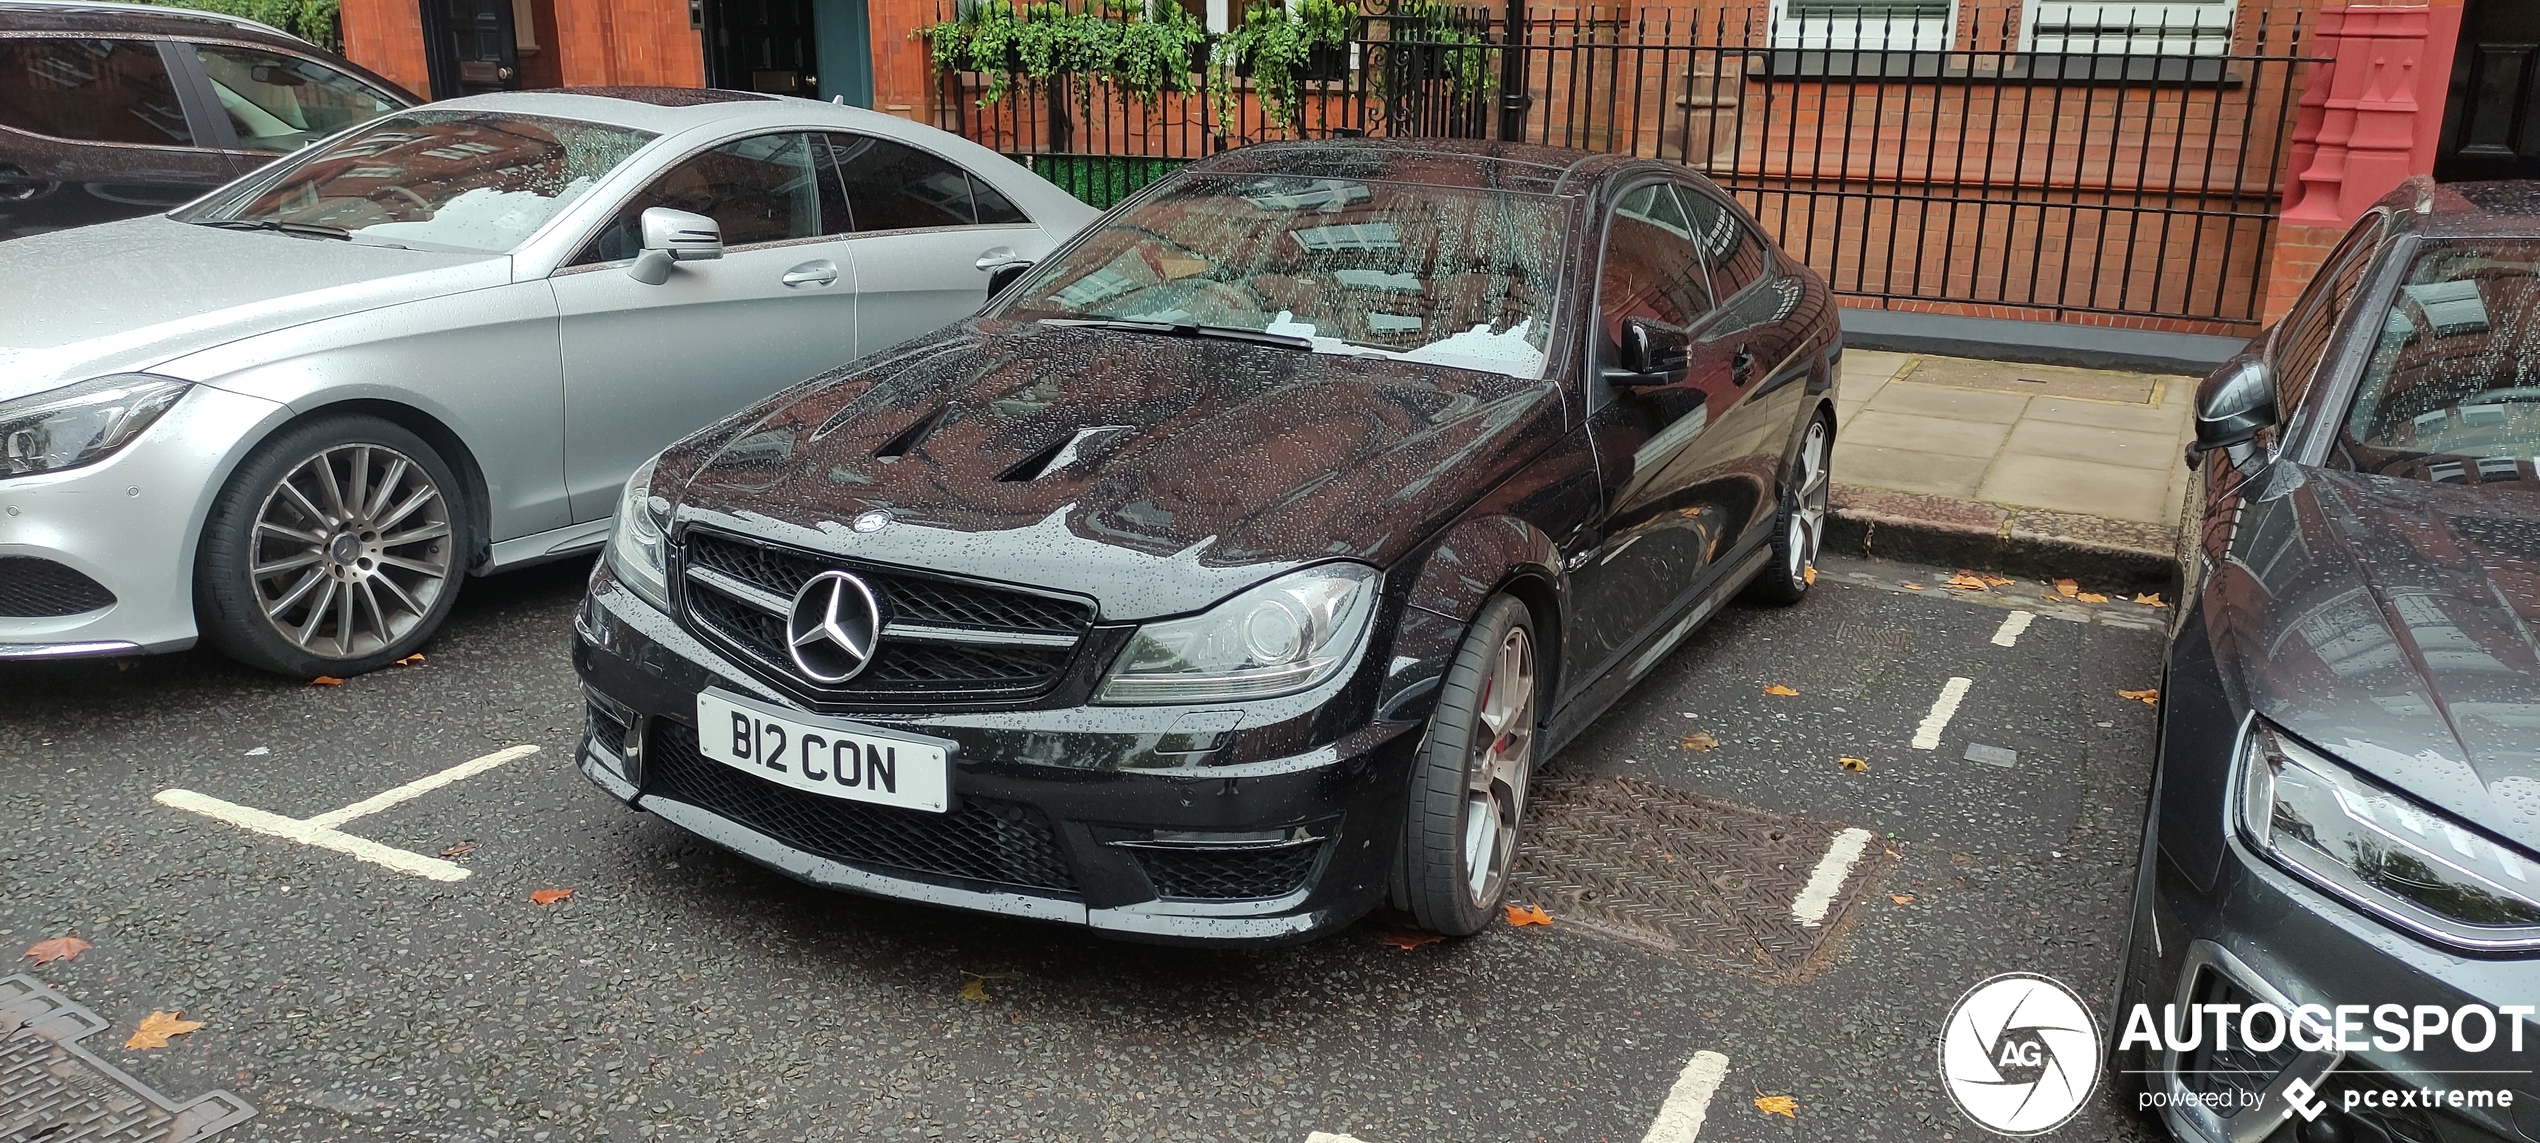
point(336, 548)
point(1800, 527)
point(1468, 790)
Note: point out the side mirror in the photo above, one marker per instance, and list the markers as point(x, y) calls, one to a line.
point(1003, 276)
point(2234, 403)
point(673, 236)
point(1650, 355)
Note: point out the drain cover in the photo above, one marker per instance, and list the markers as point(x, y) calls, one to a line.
point(54, 1091)
point(1700, 877)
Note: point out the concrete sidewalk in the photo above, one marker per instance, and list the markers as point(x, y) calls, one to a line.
point(2024, 467)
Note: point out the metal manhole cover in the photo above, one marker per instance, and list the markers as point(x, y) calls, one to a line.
point(1700, 877)
point(54, 1091)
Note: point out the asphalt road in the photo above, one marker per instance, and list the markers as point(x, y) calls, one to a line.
point(681, 993)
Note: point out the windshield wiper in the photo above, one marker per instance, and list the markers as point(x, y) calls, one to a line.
point(1188, 329)
point(301, 229)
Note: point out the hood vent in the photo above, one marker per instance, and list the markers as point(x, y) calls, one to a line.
point(906, 440)
point(1062, 454)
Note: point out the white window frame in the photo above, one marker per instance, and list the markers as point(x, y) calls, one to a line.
point(1847, 33)
point(2129, 27)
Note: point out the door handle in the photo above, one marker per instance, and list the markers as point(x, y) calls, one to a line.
point(817, 272)
point(993, 257)
point(1741, 366)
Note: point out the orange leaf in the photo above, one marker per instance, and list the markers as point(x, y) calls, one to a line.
point(1855, 764)
point(2149, 599)
point(1407, 940)
point(59, 948)
point(1777, 1105)
point(2148, 696)
point(2091, 597)
point(1996, 580)
point(1699, 743)
point(413, 660)
point(157, 1027)
point(1901, 898)
point(1911, 586)
point(326, 681)
point(1808, 575)
point(2067, 587)
point(1530, 915)
point(1779, 689)
point(549, 896)
point(1968, 581)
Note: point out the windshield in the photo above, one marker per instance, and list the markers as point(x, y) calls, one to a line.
point(2452, 393)
point(438, 180)
point(1425, 273)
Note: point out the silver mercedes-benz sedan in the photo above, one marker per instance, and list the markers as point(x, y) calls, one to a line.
point(290, 417)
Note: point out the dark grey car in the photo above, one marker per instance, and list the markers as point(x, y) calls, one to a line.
point(2347, 804)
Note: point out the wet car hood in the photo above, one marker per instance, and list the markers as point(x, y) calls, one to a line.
point(1155, 474)
point(129, 295)
point(2391, 622)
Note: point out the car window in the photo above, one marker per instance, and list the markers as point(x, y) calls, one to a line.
point(1732, 249)
point(892, 186)
point(282, 103)
point(761, 189)
point(993, 207)
point(2304, 338)
point(107, 91)
point(1650, 268)
point(2451, 393)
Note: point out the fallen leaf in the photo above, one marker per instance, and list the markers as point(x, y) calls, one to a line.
point(1808, 575)
point(1911, 586)
point(460, 848)
point(1777, 1105)
point(2068, 587)
point(2091, 597)
point(1530, 915)
point(1779, 689)
point(1968, 581)
point(1901, 898)
point(1851, 763)
point(1996, 580)
point(1407, 940)
point(2149, 599)
point(549, 896)
point(975, 988)
point(2148, 696)
point(157, 1027)
point(326, 681)
point(1699, 743)
point(59, 948)
point(413, 660)
point(2050, 597)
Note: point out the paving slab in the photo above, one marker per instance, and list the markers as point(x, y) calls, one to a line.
point(1927, 434)
point(2101, 443)
point(2066, 484)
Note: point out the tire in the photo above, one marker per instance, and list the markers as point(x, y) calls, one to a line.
point(1468, 785)
point(1799, 527)
point(299, 575)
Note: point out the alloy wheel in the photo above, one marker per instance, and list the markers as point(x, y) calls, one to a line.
point(350, 550)
point(1808, 515)
point(1495, 779)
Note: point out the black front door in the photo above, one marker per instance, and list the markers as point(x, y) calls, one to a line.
point(2491, 124)
point(763, 45)
point(470, 47)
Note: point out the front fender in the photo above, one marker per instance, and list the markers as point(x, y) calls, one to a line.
point(1475, 560)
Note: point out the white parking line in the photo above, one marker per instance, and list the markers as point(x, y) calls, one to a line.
point(320, 830)
point(1944, 708)
point(1680, 1118)
point(1809, 908)
point(2008, 635)
point(1328, 1137)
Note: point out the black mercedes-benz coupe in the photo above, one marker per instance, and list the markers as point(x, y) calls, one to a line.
point(2346, 813)
point(1224, 578)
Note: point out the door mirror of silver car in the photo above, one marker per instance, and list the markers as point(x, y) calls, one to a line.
point(1649, 355)
point(674, 236)
point(1005, 275)
point(2233, 404)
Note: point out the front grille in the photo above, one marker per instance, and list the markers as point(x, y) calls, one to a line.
point(607, 730)
point(1005, 843)
point(1228, 874)
point(32, 588)
point(2395, 1124)
point(979, 667)
point(2235, 1071)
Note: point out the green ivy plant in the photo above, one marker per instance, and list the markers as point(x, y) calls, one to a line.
point(317, 21)
point(1275, 43)
point(1463, 60)
point(1144, 54)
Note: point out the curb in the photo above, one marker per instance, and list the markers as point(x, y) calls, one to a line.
point(2105, 555)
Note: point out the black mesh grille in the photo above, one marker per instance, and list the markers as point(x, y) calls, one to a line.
point(1228, 874)
point(2236, 1071)
point(31, 588)
point(2399, 1124)
point(607, 730)
point(902, 667)
point(980, 840)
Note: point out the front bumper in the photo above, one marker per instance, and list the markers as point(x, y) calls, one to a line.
point(128, 525)
point(1054, 811)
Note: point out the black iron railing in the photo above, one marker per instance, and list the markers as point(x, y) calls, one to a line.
point(1988, 158)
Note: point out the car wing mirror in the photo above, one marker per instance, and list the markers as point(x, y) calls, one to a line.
point(1005, 275)
point(2232, 405)
point(1649, 355)
point(673, 236)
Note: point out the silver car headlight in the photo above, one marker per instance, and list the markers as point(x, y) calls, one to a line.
point(639, 544)
point(81, 424)
point(2388, 853)
point(1282, 637)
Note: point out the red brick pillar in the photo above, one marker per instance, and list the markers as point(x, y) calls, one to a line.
point(386, 36)
point(600, 43)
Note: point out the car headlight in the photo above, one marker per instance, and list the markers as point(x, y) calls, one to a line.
point(80, 424)
point(2386, 852)
point(639, 544)
point(1284, 636)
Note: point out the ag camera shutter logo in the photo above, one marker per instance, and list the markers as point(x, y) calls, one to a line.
point(2020, 1054)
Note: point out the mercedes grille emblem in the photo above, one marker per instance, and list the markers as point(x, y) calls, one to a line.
point(832, 629)
point(870, 522)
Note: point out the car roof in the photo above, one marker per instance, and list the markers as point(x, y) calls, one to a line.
point(1475, 163)
point(665, 110)
point(94, 17)
point(2500, 209)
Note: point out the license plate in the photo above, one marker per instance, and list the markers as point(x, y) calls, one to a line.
point(824, 756)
